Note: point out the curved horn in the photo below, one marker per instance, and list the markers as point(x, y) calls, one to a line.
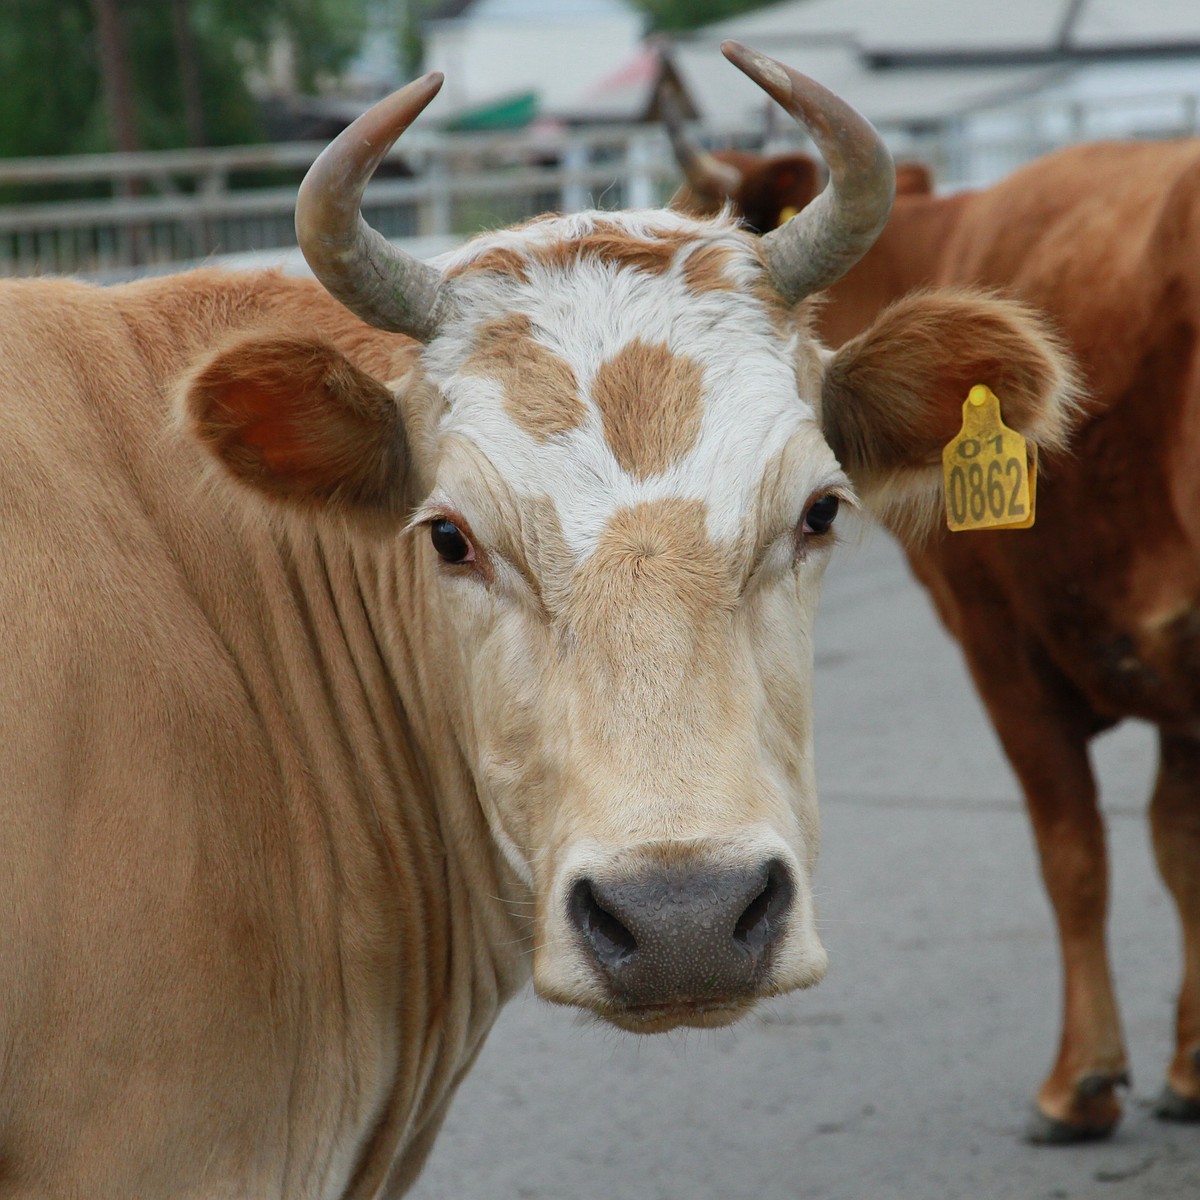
point(704, 173)
point(822, 242)
point(359, 267)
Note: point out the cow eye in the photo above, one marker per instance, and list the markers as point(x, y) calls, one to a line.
point(820, 515)
point(450, 542)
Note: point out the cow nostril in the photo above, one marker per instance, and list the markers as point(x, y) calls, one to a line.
point(613, 944)
point(763, 919)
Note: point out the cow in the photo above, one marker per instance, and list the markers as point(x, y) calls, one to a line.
point(764, 190)
point(1093, 615)
point(377, 642)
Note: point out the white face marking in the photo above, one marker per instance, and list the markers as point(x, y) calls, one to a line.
point(586, 313)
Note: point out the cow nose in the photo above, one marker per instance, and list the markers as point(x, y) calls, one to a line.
point(683, 935)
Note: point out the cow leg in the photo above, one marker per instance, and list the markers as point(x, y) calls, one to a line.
point(1175, 826)
point(1045, 727)
point(1077, 1100)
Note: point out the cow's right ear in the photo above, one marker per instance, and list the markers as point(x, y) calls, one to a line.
point(893, 397)
point(295, 419)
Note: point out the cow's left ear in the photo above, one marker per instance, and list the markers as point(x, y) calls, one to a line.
point(893, 396)
point(295, 419)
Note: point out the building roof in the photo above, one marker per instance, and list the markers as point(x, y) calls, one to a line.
point(725, 99)
point(915, 62)
point(894, 24)
point(1119, 23)
point(898, 31)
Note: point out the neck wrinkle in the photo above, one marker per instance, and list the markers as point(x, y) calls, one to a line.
point(383, 875)
point(469, 958)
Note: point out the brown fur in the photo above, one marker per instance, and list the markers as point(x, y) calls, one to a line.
point(609, 243)
point(540, 391)
point(661, 553)
point(235, 897)
point(705, 270)
point(500, 259)
point(652, 403)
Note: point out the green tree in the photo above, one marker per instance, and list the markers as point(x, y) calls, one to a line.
point(49, 101)
point(187, 85)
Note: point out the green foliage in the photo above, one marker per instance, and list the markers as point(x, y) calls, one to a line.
point(52, 99)
point(49, 101)
point(230, 115)
point(687, 14)
point(324, 34)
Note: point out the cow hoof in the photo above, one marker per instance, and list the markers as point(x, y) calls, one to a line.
point(1042, 1130)
point(1171, 1106)
point(1094, 1106)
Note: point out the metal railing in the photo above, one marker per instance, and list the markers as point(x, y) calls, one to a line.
point(185, 206)
point(980, 148)
point(145, 212)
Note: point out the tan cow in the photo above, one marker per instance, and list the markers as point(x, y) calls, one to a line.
point(355, 671)
point(1092, 616)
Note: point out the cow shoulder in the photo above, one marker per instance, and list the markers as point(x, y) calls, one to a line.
point(892, 397)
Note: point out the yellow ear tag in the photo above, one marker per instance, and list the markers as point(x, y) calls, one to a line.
point(786, 214)
point(989, 471)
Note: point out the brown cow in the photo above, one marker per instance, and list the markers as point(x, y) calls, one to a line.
point(392, 663)
point(1093, 615)
point(764, 191)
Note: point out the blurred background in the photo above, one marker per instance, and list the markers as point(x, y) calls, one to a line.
point(141, 135)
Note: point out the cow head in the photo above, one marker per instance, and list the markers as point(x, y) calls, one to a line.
point(763, 191)
point(609, 469)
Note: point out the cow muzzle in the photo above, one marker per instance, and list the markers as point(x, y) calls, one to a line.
point(682, 943)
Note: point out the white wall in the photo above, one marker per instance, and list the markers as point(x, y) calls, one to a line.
point(555, 57)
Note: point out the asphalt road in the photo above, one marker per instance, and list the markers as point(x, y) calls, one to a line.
point(907, 1074)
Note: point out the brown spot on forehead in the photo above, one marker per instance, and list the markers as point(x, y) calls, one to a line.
point(608, 242)
point(500, 259)
point(540, 391)
point(705, 271)
point(652, 402)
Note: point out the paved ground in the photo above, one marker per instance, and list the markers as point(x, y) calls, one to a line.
point(906, 1074)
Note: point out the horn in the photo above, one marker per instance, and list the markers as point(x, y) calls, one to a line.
point(822, 242)
point(358, 266)
point(704, 173)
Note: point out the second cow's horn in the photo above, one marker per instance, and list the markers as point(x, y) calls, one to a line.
point(821, 243)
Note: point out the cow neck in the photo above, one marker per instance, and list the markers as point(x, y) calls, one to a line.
point(907, 256)
point(353, 703)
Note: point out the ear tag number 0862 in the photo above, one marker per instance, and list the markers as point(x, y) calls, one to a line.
point(989, 471)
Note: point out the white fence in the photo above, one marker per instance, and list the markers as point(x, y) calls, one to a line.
point(980, 148)
point(153, 210)
point(182, 206)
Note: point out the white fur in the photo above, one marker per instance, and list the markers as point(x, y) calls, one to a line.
point(586, 314)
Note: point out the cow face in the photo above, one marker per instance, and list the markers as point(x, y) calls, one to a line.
point(612, 477)
point(630, 509)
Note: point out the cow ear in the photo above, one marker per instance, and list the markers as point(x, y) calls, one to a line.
point(295, 419)
point(893, 396)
